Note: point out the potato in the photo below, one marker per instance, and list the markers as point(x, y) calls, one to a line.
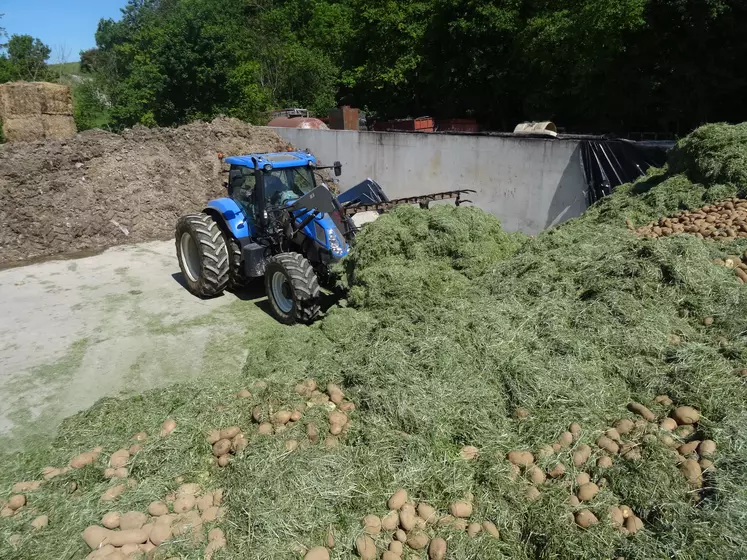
point(372, 525)
point(685, 415)
point(346, 406)
point(96, 536)
point(582, 478)
point(330, 539)
point(184, 503)
point(685, 431)
point(565, 440)
point(223, 461)
point(337, 418)
point(613, 434)
point(281, 417)
point(386, 555)
point(230, 432)
point(633, 524)
point(239, 443)
point(111, 520)
point(407, 517)
point(40, 522)
point(160, 533)
point(574, 501)
point(157, 509)
point(692, 472)
point(390, 521)
point(575, 430)
point(427, 513)
point(545, 451)
point(604, 462)
point(624, 426)
point(521, 413)
point(330, 442)
point(306, 387)
point(707, 448)
point(140, 436)
point(460, 509)
point(521, 458)
point(366, 547)
point(557, 471)
point(398, 499)
point(213, 436)
point(257, 414)
point(585, 518)
point(221, 447)
point(417, 540)
point(640, 410)
point(532, 493)
point(581, 455)
point(400, 535)
point(395, 547)
point(295, 416)
point(556, 447)
point(317, 397)
point(586, 492)
point(317, 553)
point(30, 486)
point(16, 501)
point(119, 458)
point(688, 448)
point(469, 453)
point(167, 427)
point(132, 520)
point(113, 493)
point(491, 529)
point(83, 460)
point(608, 445)
point(663, 400)
point(707, 321)
point(473, 529)
point(135, 448)
point(706, 465)
point(668, 424)
point(616, 517)
point(312, 432)
point(536, 475)
point(335, 393)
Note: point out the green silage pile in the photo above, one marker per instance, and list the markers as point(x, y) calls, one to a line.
point(448, 327)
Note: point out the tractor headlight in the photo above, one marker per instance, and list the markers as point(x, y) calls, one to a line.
point(337, 246)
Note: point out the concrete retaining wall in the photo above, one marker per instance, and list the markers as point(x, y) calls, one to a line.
point(530, 184)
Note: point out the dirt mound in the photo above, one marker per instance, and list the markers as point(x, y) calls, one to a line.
point(100, 189)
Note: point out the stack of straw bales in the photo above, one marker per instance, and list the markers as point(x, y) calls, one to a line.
point(36, 111)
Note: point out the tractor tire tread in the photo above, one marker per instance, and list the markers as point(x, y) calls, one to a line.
point(305, 285)
point(214, 257)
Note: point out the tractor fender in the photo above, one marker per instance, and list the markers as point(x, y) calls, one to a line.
point(231, 217)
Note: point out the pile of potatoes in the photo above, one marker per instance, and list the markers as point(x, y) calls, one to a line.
point(409, 525)
point(183, 515)
point(724, 219)
point(273, 419)
point(735, 263)
point(624, 440)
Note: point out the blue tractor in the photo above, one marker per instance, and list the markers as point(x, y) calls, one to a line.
point(277, 222)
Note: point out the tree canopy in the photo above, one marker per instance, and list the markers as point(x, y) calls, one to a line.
point(589, 65)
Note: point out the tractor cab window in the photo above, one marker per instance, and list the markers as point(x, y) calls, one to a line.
point(285, 185)
point(241, 187)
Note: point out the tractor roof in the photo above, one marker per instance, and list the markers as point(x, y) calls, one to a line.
point(278, 160)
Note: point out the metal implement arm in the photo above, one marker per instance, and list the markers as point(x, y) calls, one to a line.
point(423, 200)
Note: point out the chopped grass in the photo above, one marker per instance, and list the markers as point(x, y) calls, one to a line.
point(451, 324)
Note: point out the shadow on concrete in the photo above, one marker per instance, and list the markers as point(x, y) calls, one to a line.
point(571, 197)
point(327, 301)
point(179, 279)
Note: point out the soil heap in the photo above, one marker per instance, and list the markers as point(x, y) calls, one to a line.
point(100, 189)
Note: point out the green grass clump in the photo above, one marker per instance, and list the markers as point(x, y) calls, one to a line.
point(450, 325)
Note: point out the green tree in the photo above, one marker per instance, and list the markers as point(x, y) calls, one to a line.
point(29, 57)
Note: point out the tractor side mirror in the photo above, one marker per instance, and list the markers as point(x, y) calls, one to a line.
point(338, 168)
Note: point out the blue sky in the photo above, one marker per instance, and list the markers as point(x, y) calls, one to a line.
point(64, 25)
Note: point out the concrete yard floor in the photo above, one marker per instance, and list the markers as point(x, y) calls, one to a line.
point(118, 323)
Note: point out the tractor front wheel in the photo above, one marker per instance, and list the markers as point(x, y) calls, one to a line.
point(292, 289)
point(203, 255)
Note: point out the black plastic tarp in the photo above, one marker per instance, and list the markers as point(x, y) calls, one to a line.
point(610, 163)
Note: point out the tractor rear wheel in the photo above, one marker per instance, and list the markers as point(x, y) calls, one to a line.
point(292, 288)
point(203, 255)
